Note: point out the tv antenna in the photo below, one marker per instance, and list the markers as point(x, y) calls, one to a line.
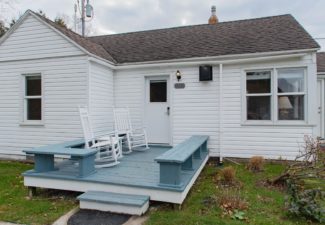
point(85, 11)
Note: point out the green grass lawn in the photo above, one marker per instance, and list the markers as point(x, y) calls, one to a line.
point(266, 205)
point(15, 206)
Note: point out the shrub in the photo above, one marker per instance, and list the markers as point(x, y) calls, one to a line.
point(306, 203)
point(228, 174)
point(256, 164)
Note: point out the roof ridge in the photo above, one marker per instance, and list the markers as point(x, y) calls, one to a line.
point(193, 25)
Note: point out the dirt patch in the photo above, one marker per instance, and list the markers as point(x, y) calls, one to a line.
point(267, 184)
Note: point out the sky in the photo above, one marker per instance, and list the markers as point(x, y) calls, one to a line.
point(117, 16)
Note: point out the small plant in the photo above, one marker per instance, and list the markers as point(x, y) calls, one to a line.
point(228, 174)
point(238, 215)
point(232, 204)
point(256, 164)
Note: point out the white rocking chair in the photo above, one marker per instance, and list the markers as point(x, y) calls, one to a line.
point(134, 139)
point(109, 148)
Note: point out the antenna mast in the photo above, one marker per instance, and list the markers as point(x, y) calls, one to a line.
point(86, 10)
point(83, 17)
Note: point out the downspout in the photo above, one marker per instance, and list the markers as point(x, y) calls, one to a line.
point(220, 111)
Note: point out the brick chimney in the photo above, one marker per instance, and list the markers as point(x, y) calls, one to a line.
point(213, 18)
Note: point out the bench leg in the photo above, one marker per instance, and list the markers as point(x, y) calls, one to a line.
point(44, 163)
point(188, 164)
point(197, 153)
point(170, 174)
point(86, 166)
point(204, 147)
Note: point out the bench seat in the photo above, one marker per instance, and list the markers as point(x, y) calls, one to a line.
point(75, 152)
point(179, 158)
point(44, 157)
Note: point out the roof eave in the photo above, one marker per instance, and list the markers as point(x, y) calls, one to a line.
point(219, 58)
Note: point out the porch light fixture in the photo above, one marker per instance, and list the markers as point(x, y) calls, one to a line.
point(178, 75)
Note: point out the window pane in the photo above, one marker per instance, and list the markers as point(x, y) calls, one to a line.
point(158, 91)
point(33, 85)
point(291, 107)
point(258, 82)
point(259, 108)
point(34, 109)
point(290, 80)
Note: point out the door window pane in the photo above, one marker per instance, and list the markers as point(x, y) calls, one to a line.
point(291, 107)
point(290, 80)
point(34, 109)
point(33, 86)
point(258, 108)
point(258, 82)
point(158, 91)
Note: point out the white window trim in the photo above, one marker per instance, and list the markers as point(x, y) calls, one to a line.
point(291, 122)
point(274, 99)
point(24, 121)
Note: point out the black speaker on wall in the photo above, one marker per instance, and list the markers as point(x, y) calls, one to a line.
point(206, 73)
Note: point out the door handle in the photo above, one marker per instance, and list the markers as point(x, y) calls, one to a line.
point(168, 110)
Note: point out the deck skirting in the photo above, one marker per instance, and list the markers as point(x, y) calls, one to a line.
point(163, 195)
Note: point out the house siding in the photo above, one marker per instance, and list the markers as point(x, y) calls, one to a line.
point(101, 98)
point(64, 88)
point(195, 109)
point(35, 48)
point(33, 40)
point(270, 141)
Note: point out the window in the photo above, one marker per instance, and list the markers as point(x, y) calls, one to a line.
point(258, 95)
point(158, 91)
point(275, 94)
point(33, 98)
point(291, 95)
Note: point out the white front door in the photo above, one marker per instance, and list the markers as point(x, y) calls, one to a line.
point(157, 110)
point(320, 109)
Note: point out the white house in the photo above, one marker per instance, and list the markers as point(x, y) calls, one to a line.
point(261, 99)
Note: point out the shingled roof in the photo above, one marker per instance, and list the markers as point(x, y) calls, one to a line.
point(278, 33)
point(268, 34)
point(321, 62)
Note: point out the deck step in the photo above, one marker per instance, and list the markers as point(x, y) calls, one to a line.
point(113, 202)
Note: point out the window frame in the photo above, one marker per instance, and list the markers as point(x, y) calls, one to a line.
point(304, 94)
point(274, 97)
point(24, 97)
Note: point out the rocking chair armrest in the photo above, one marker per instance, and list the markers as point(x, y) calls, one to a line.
point(140, 129)
point(106, 136)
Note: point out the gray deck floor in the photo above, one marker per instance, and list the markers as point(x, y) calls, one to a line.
point(136, 169)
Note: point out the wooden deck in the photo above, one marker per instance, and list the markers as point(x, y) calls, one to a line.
point(138, 173)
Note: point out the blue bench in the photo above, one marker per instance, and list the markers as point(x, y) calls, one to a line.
point(44, 157)
point(180, 158)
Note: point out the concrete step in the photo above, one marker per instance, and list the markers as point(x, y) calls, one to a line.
point(114, 202)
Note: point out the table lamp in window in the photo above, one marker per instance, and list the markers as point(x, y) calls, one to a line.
point(284, 107)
